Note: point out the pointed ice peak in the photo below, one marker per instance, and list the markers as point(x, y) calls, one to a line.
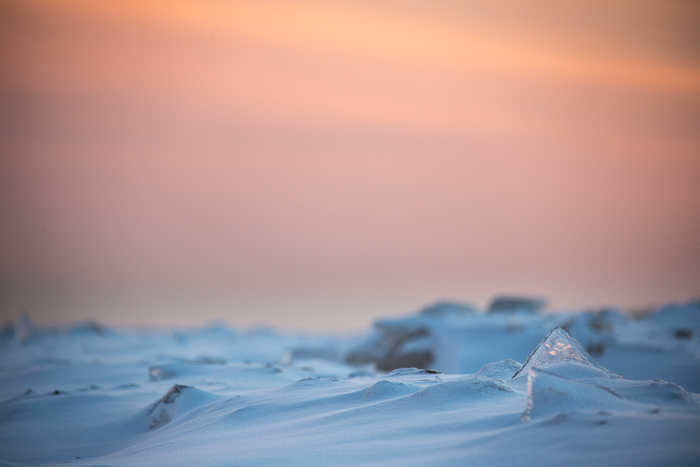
point(558, 347)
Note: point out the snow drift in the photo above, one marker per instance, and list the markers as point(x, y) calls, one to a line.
point(216, 396)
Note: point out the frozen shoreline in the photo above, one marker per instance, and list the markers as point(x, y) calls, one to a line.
point(216, 396)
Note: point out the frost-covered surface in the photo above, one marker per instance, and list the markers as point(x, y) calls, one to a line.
point(87, 395)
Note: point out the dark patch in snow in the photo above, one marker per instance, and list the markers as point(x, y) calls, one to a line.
point(595, 348)
point(161, 415)
point(172, 395)
point(610, 391)
point(683, 333)
point(397, 344)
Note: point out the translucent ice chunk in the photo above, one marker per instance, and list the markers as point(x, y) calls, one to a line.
point(558, 347)
point(548, 395)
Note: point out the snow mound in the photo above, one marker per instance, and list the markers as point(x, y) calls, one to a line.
point(658, 393)
point(162, 411)
point(383, 390)
point(178, 401)
point(310, 383)
point(560, 348)
point(505, 369)
point(472, 389)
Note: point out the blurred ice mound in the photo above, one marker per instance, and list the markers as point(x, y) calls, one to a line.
point(680, 322)
point(506, 304)
point(447, 308)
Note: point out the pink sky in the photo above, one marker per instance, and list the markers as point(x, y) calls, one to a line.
point(315, 165)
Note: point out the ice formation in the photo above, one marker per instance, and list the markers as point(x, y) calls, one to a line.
point(217, 396)
point(557, 348)
point(549, 394)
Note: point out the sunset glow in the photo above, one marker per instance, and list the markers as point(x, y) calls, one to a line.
point(317, 164)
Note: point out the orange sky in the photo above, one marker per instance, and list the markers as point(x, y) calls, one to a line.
point(318, 164)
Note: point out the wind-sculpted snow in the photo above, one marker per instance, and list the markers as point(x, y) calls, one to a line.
point(179, 400)
point(223, 397)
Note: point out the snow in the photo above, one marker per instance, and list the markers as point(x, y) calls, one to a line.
point(89, 395)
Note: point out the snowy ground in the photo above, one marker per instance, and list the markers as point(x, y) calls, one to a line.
point(492, 393)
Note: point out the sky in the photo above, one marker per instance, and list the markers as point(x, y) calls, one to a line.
point(315, 165)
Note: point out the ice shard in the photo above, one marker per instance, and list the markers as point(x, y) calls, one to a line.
point(558, 347)
point(549, 394)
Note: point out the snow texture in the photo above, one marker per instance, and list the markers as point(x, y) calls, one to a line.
point(89, 395)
